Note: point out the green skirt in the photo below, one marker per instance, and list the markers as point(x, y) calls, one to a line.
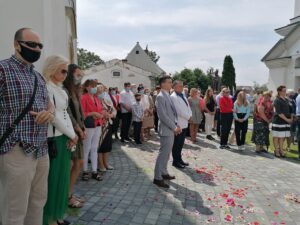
point(58, 182)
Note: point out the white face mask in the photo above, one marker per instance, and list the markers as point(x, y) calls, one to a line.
point(77, 80)
point(134, 90)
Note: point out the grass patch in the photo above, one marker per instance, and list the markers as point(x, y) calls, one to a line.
point(73, 212)
point(293, 153)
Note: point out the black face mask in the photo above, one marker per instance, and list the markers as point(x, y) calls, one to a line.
point(29, 55)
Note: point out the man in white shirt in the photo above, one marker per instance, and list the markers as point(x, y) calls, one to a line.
point(126, 102)
point(184, 114)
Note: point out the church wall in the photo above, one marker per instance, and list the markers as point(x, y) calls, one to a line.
point(47, 17)
point(277, 76)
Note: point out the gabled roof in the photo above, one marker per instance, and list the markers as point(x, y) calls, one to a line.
point(139, 58)
point(279, 48)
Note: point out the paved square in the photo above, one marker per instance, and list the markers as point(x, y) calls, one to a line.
point(219, 187)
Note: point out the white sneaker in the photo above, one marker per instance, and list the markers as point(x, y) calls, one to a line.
point(109, 167)
point(102, 170)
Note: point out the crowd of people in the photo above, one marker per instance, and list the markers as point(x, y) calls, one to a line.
point(53, 125)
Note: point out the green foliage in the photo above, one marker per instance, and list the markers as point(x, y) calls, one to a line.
point(259, 88)
point(194, 78)
point(87, 59)
point(152, 54)
point(228, 74)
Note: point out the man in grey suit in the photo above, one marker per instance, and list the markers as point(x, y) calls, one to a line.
point(167, 129)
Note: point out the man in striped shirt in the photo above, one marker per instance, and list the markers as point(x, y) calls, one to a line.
point(137, 118)
point(24, 161)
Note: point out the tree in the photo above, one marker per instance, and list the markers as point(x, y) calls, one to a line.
point(259, 88)
point(193, 78)
point(152, 54)
point(228, 74)
point(87, 59)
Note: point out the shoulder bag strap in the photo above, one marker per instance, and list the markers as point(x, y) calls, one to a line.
point(21, 116)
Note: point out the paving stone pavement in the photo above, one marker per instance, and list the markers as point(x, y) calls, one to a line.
point(219, 187)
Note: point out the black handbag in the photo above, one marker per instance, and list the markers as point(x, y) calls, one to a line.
point(52, 148)
point(13, 126)
point(89, 122)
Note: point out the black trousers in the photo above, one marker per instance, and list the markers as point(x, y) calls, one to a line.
point(126, 122)
point(155, 121)
point(218, 118)
point(137, 127)
point(240, 130)
point(226, 122)
point(115, 126)
point(298, 135)
point(178, 145)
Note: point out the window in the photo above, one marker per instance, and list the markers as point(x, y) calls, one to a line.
point(137, 52)
point(116, 74)
point(131, 75)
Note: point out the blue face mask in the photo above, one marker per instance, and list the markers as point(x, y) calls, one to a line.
point(93, 90)
point(113, 92)
point(141, 91)
point(127, 89)
point(101, 96)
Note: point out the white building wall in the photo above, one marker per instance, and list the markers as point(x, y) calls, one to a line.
point(276, 77)
point(105, 76)
point(47, 17)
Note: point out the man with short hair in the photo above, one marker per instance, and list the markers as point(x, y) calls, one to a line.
point(184, 114)
point(218, 115)
point(167, 127)
point(126, 102)
point(24, 161)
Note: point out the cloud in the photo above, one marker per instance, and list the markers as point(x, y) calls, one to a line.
point(189, 33)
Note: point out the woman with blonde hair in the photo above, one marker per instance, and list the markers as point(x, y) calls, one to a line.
point(61, 139)
point(241, 113)
point(194, 101)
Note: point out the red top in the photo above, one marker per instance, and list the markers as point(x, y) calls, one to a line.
point(91, 105)
point(226, 104)
point(268, 109)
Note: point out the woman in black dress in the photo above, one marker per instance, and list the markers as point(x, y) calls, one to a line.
point(105, 143)
point(281, 121)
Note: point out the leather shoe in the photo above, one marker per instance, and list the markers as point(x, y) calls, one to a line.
point(184, 163)
point(168, 177)
point(160, 183)
point(178, 165)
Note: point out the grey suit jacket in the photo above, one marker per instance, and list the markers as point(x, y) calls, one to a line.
point(167, 117)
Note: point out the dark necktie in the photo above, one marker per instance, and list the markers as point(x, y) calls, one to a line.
point(181, 95)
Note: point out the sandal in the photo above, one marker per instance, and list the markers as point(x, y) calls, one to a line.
point(85, 176)
point(80, 199)
point(282, 154)
point(97, 176)
point(277, 153)
point(74, 203)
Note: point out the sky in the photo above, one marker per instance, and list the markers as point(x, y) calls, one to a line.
point(186, 33)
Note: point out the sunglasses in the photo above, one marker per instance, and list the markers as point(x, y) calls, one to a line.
point(32, 44)
point(64, 72)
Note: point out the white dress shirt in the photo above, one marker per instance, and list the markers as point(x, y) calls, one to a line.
point(126, 98)
point(62, 121)
point(184, 112)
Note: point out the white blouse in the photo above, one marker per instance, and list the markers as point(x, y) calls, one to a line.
point(62, 121)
